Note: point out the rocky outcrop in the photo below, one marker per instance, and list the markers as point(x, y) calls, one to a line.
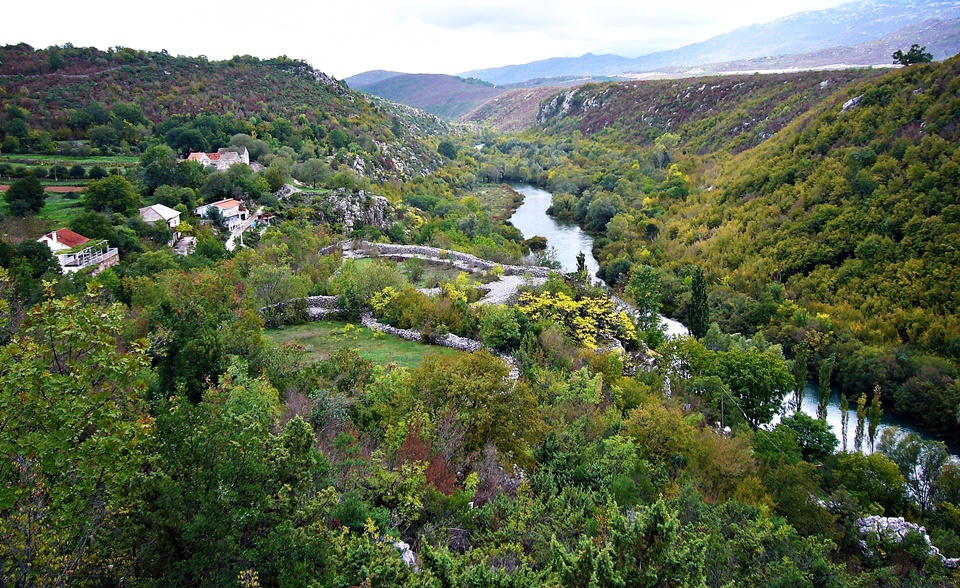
point(352, 210)
point(896, 529)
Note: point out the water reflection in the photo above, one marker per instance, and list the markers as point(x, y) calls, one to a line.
point(834, 417)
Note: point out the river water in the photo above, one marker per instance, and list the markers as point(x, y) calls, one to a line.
point(834, 418)
point(568, 240)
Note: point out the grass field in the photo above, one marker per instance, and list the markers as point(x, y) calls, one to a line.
point(322, 338)
point(44, 159)
point(58, 208)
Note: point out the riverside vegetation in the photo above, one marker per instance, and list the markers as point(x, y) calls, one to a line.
point(153, 433)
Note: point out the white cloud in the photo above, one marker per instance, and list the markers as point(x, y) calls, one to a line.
point(345, 38)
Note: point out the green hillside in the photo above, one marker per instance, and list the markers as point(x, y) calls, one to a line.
point(854, 211)
point(117, 100)
point(821, 206)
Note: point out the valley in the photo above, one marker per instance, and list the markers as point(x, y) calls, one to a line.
point(505, 329)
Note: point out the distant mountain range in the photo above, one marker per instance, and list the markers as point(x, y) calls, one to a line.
point(849, 24)
point(445, 96)
point(940, 37)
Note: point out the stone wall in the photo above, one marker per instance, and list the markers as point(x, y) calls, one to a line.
point(464, 261)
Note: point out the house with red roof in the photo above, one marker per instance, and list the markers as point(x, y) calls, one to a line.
point(222, 159)
point(74, 252)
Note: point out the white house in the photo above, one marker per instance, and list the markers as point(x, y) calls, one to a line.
point(222, 159)
point(160, 213)
point(74, 252)
point(232, 211)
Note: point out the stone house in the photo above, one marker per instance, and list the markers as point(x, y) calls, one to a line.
point(222, 159)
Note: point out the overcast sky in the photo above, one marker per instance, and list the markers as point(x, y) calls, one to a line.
point(344, 38)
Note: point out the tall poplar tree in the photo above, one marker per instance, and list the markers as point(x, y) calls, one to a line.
point(698, 318)
point(826, 372)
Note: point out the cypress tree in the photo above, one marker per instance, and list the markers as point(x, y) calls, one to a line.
point(698, 318)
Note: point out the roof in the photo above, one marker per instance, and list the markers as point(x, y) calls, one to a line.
point(196, 156)
point(228, 203)
point(66, 236)
point(213, 156)
point(158, 212)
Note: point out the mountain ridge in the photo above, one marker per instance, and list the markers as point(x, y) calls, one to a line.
point(848, 24)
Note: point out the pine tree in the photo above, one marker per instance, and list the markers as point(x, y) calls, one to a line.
point(698, 318)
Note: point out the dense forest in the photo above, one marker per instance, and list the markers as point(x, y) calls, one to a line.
point(161, 423)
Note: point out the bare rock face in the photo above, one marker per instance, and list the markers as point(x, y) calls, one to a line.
point(896, 530)
point(352, 210)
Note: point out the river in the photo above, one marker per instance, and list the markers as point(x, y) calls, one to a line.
point(568, 240)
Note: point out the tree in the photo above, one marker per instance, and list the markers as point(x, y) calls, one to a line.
point(447, 149)
point(874, 414)
point(916, 54)
point(813, 436)
point(97, 173)
point(94, 225)
point(581, 260)
point(871, 479)
point(758, 380)
point(861, 415)
point(499, 328)
point(476, 389)
point(698, 315)
point(313, 172)
point(801, 355)
point(77, 172)
point(920, 462)
point(158, 166)
point(25, 196)
point(273, 285)
point(71, 435)
point(104, 136)
point(643, 288)
point(113, 193)
point(826, 372)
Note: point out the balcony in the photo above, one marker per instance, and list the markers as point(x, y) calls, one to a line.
point(98, 256)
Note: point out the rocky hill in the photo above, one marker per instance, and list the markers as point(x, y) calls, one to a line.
point(735, 112)
point(512, 111)
point(448, 97)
